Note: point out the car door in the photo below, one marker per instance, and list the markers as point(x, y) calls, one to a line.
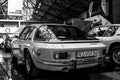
point(22, 40)
point(109, 35)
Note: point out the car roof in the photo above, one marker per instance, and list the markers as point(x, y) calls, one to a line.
point(118, 25)
point(39, 24)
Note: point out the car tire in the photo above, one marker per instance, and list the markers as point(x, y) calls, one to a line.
point(14, 65)
point(31, 70)
point(115, 55)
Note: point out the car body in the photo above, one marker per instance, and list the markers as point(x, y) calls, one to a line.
point(110, 36)
point(58, 47)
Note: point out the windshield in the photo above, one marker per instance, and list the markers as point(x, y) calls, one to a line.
point(59, 32)
point(98, 31)
point(103, 31)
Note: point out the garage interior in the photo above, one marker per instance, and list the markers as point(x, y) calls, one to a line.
point(63, 11)
point(59, 10)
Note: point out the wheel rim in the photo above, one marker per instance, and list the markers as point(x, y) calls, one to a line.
point(116, 56)
point(28, 63)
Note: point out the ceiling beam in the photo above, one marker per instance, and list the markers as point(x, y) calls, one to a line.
point(55, 16)
point(67, 9)
point(76, 5)
point(2, 8)
point(4, 2)
point(49, 8)
point(84, 2)
point(32, 3)
point(37, 3)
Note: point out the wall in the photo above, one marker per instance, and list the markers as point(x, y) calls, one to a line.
point(116, 11)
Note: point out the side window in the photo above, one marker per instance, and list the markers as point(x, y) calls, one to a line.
point(44, 33)
point(29, 32)
point(111, 31)
point(39, 36)
point(99, 31)
point(24, 32)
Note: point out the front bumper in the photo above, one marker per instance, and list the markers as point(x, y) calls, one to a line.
point(67, 65)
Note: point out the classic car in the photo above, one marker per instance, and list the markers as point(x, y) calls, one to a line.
point(110, 36)
point(57, 47)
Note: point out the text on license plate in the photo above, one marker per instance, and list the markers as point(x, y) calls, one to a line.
point(88, 53)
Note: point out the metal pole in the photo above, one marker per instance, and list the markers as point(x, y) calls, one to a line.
point(4, 70)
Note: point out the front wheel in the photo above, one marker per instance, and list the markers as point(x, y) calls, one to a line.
point(115, 55)
point(31, 70)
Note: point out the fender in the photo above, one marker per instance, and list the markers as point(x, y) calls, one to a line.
point(29, 47)
point(112, 42)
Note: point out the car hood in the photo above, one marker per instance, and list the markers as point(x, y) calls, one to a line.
point(83, 25)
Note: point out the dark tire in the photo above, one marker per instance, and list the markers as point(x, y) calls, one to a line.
point(31, 70)
point(14, 66)
point(115, 55)
point(7, 50)
point(14, 62)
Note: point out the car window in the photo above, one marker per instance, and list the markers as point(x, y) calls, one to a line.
point(29, 32)
point(59, 32)
point(68, 33)
point(98, 31)
point(24, 33)
point(43, 33)
point(111, 31)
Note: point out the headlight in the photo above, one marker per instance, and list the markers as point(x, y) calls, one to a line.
point(61, 55)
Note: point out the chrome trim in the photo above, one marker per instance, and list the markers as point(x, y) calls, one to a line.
point(69, 63)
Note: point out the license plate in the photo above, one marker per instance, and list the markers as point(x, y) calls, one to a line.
point(85, 54)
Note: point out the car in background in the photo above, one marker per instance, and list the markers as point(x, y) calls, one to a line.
point(5, 42)
point(14, 43)
point(57, 47)
point(109, 35)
